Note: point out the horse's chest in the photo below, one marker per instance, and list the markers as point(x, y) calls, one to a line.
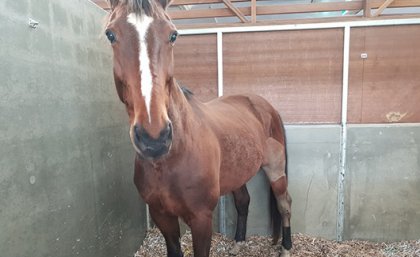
point(166, 201)
point(160, 192)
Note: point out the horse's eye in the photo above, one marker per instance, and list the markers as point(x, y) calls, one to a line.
point(172, 37)
point(111, 36)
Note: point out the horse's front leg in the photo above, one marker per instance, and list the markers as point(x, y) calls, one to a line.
point(169, 226)
point(201, 230)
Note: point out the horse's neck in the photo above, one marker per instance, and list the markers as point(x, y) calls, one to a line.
point(181, 112)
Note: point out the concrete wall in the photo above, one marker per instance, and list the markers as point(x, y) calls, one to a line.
point(383, 183)
point(381, 191)
point(313, 169)
point(66, 162)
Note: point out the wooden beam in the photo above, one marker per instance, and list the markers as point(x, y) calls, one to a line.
point(268, 10)
point(382, 7)
point(235, 10)
point(307, 8)
point(405, 3)
point(192, 2)
point(356, 5)
point(294, 21)
point(254, 11)
point(366, 9)
point(304, 7)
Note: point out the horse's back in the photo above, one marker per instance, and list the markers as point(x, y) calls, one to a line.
point(248, 111)
point(266, 113)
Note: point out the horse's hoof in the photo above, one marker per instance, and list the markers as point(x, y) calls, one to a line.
point(284, 252)
point(236, 248)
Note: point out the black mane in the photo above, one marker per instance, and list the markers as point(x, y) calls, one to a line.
point(187, 92)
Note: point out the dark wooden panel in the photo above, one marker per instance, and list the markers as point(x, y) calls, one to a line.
point(357, 47)
point(196, 64)
point(299, 72)
point(385, 87)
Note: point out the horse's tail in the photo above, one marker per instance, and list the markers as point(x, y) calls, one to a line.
point(275, 217)
point(279, 133)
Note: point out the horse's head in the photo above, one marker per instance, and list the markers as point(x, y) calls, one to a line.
point(142, 36)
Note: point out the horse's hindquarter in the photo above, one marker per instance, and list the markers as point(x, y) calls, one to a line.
point(241, 124)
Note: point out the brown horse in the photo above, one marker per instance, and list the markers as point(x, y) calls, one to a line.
point(189, 153)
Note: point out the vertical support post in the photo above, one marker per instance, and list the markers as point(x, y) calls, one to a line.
point(222, 200)
point(366, 9)
point(254, 11)
point(147, 217)
point(219, 64)
point(343, 136)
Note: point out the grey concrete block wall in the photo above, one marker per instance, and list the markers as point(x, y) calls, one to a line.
point(66, 162)
point(381, 191)
point(314, 156)
point(383, 183)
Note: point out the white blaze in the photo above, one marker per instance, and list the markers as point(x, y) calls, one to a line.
point(142, 23)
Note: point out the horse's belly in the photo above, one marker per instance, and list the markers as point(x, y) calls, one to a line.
point(241, 159)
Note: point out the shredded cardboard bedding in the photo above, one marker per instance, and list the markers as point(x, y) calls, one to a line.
point(303, 246)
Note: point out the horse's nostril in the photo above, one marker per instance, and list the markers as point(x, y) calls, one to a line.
point(150, 146)
point(136, 131)
point(142, 136)
point(166, 133)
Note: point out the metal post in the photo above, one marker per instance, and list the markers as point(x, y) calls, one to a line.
point(222, 201)
point(343, 137)
point(219, 64)
point(147, 218)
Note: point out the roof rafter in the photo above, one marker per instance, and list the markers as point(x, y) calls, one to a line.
point(382, 7)
point(253, 12)
point(235, 10)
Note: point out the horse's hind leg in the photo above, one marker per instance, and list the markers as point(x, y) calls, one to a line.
point(169, 226)
point(275, 168)
point(241, 198)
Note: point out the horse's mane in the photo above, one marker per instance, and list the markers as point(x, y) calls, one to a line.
point(136, 6)
point(187, 92)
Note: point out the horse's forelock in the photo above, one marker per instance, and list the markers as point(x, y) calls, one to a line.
point(139, 7)
point(113, 3)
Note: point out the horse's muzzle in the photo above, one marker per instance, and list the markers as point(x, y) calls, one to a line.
point(150, 147)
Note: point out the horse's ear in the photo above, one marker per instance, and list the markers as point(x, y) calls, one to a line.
point(165, 3)
point(113, 3)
